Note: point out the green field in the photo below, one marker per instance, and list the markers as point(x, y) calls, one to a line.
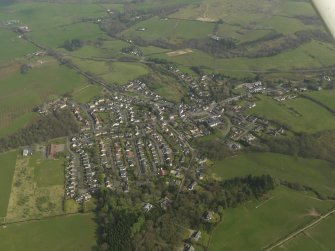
point(300, 115)
point(170, 29)
point(20, 93)
point(317, 174)
point(319, 237)
point(258, 224)
point(87, 93)
point(326, 97)
point(12, 46)
point(7, 166)
point(67, 233)
point(48, 172)
point(38, 188)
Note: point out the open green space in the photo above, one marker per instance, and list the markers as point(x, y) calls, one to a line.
point(300, 115)
point(113, 72)
point(20, 93)
point(7, 167)
point(169, 29)
point(258, 224)
point(48, 172)
point(319, 237)
point(314, 173)
point(326, 97)
point(67, 233)
point(87, 93)
point(12, 46)
point(45, 16)
point(302, 57)
point(55, 37)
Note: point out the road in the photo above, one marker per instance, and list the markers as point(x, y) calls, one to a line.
point(294, 234)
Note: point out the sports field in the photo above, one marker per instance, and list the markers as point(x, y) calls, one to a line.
point(300, 115)
point(7, 167)
point(66, 233)
point(258, 224)
point(317, 174)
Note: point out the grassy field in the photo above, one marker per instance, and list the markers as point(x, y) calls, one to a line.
point(326, 97)
point(7, 166)
point(301, 57)
point(170, 29)
point(55, 37)
point(113, 72)
point(20, 93)
point(87, 93)
point(317, 174)
point(12, 47)
point(70, 233)
point(300, 115)
point(258, 224)
point(320, 237)
point(37, 189)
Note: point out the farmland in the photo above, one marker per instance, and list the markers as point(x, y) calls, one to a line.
point(318, 237)
point(300, 115)
point(325, 97)
point(68, 233)
point(7, 167)
point(317, 174)
point(20, 93)
point(259, 223)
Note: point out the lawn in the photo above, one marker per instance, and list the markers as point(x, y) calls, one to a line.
point(258, 224)
point(7, 167)
point(20, 93)
point(300, 115)
point(317, 174)
point(67, 233)
point(48, 172)
point(326, 97)
point(319, 237)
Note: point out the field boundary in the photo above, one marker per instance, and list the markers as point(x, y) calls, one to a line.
point(299, 231)
point(42, 218)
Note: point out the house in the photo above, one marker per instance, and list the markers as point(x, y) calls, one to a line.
point(26, 152)
point(147, 207)
point(207, 216)
point(196, 235)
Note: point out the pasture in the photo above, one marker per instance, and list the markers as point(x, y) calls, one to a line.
point(12, 47)
point(319, 237)
point(172, 30)
point(7, 167)
point(326, 97)
point(20, 93)
point(299, 115)
point(113, 72)
point(257, 224)
point(66, 233)
point(289, 61)
point(87, 93)
point(314, 173)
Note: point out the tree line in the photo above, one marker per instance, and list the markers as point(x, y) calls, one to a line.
point(54, 125)
point(122, 225)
